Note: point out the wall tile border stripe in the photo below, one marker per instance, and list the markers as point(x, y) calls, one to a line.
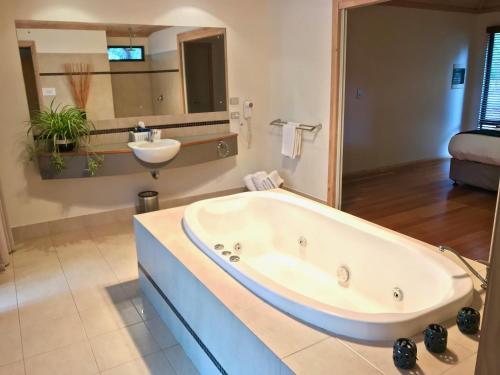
point(165, 126)
point(111, 72)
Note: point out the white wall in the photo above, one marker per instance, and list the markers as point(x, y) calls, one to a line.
point(166, 40)
point(284, 69)
point(66, 41)
point(299, 90)
point(402, 60)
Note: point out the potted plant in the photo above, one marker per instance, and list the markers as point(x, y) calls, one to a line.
point(62, 129)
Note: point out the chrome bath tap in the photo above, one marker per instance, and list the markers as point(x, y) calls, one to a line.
point(150, 138)
point(484, 280)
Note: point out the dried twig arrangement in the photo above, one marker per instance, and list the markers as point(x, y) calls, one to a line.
point(79, 79)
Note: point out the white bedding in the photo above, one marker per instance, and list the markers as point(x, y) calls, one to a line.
point(475, 147)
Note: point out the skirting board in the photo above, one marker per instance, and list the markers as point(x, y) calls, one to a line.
point(389, 168)
point(303, 194)
point(27, 232)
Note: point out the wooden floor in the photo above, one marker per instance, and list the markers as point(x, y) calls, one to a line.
point(421, 201)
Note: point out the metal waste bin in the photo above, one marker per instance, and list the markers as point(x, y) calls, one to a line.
point(148, 201)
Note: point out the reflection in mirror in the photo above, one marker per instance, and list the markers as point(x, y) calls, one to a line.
point(203, 70)
point(115, 71)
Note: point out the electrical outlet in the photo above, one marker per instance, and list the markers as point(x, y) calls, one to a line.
point(235, 115)
point(48, 91)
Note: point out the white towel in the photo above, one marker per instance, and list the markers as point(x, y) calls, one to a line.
point(249, 182)
point(275, 178)
point(288, 141)
point(268, 184)
point(263, 181)
point(258, 180)
point(292, 140)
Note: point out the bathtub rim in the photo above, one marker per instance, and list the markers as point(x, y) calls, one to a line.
point(461, 282)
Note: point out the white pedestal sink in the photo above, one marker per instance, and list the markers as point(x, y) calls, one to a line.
point(156, 152)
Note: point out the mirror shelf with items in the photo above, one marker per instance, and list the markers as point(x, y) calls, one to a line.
point(173, 78)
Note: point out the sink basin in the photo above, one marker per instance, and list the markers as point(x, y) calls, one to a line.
point(159, 151)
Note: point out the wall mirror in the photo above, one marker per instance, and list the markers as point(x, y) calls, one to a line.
point(117, 71)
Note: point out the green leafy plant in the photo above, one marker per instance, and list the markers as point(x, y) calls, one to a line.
point(57, 162)
point(94, 162)
point(57, 123)
point(57, 129)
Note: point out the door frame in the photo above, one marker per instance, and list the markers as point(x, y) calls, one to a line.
point(32, 46)
point(201, 33)
point(339, 18)
point(486, 358)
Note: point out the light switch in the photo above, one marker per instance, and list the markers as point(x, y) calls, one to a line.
point(234, 101)
point(359, 93)
point(48, 91)
point(235, 115)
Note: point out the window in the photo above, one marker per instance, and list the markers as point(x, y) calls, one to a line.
point(489, 116)
point(126, 53)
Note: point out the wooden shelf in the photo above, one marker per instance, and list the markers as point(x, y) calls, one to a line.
point(119, 159)
point(122, 148)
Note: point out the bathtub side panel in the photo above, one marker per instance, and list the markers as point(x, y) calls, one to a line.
point(233, 345)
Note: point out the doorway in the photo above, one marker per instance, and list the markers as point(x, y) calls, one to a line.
point(203, 72)
point(29, 65)
point(486, 357)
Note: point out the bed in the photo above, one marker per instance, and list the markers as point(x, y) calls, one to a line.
point(476, 158)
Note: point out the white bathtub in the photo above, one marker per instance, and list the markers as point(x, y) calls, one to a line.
point(297, 254)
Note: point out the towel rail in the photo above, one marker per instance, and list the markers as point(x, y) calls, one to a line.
point(309, 128)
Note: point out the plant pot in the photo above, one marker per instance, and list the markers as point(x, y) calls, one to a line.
point(65, 145)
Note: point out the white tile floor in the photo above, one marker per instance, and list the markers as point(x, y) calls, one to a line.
point(70, 304)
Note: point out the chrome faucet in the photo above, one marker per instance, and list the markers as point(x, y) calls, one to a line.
point(484, 280)
point(150, 137)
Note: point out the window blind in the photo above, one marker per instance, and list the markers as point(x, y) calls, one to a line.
point(489, 117)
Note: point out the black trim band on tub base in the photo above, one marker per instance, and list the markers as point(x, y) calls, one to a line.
point(183, 321)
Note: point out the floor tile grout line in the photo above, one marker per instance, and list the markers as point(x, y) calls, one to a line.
point(359, 355)
point(107, 262)
point(55, 250)
point(304, 348)
point(96, 245)
point(18, 312)
point(56, 349)
point(121, 287)
point(458, 364)
point(154, 339)
point(76, 307)
point(163, 352)
point(114, 330)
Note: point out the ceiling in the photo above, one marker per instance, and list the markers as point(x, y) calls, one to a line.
point(113, 30)
point(470, 6)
